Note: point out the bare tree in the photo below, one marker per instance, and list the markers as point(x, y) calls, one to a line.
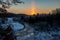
point(8, 3)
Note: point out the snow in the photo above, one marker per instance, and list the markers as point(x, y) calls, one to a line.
point(31, 36)
point(15, 25)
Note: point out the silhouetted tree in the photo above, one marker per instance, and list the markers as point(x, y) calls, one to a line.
point(8, 3)
point(3, 10)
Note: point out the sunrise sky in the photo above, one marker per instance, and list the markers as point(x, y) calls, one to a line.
point(35, 6)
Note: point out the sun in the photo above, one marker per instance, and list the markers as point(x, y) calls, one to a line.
point(33, 8)
point(33, 11)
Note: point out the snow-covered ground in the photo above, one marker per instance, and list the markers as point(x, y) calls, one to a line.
point(15, 25)
point(28, 33)
point(42, 36)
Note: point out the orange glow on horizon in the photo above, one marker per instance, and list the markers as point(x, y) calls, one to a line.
point(31, 10)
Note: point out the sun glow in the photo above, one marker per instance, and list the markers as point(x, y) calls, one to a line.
point(33, 11)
